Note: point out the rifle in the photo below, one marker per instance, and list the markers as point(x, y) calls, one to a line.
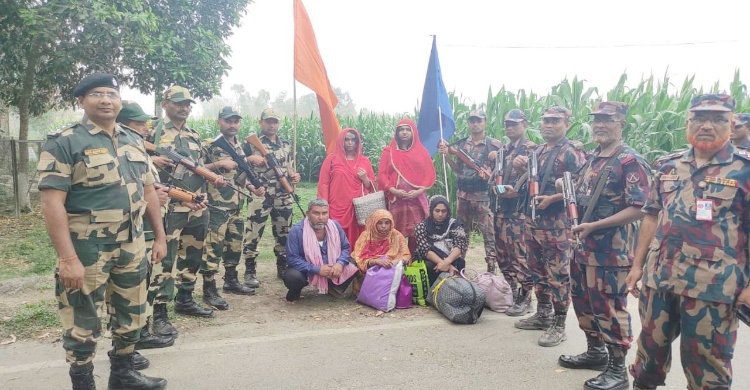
point(533, 170)
point(571, 204)
point(253, 139)
point(184, 195)
point(468, 161)
point(743, 313)
point(191, 165)
point(499, 167)
point(221, 142)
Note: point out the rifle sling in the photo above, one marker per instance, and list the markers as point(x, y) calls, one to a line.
point(548, 164)
point(601, 179)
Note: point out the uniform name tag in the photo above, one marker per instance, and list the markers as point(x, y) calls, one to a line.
point(668, 177)
point(92, 152)
point(704, 209)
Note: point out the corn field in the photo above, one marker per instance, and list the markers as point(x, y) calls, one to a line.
point(656, 119)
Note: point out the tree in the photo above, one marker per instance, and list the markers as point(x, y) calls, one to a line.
point(46, 46)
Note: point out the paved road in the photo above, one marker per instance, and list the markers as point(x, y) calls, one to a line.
point(369, 353)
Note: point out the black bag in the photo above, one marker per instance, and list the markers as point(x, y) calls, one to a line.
point(460, 300)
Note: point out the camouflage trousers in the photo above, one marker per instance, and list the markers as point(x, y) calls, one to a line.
point(708, 333)
point(114, 273)
point(470, 212)
point(224, 240)
point(186, 233)
point(600, 300)
point(159, 288)
point(258, 210)
point(549, 261)
point(510, 245)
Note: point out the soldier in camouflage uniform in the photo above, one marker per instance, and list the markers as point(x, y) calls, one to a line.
point(276, 202)
point(741, 135)
point(509, 222)
point(96, 187)
point(547, 236)
point(473, 203)
point(611, 189)
point(224, 239)
point(694, 242)
point(132, 116)
point(186, 224)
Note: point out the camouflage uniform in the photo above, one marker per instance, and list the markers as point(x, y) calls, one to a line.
point(276, 202)
point(186, 229)
point(224, 239)
point(547, 239)
point(104, 179)
point(509, 223)
point(602, 262)
point(158, 287)
point(473, 203)
point(695, 269)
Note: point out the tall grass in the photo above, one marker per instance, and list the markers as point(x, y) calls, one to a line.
point(656, 119)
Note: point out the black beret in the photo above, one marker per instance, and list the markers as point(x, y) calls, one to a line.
point(96, 80)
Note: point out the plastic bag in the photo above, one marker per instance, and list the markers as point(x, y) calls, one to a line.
point(403, 296)
point(420, 284)
point(497, 291)
point(380, 286)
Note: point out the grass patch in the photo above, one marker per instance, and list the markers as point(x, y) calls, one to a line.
point(25, 248)
point(31, 319)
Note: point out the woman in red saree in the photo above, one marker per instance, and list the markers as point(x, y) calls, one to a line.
point(406, 173)
point(346, 174)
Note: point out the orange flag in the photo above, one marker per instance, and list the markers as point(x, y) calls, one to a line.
point(310, 71)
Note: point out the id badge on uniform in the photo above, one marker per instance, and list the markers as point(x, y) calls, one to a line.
point(704, 209)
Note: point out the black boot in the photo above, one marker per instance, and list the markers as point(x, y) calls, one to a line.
point(595, 357)
point(185, 305)
point(233, 286)
point(521, 305)
point(251, 278)
point(83, 378)
point(140, 362)
point(162, 326)
point(211, 296)
point(281, 269)
point(122, 376)
point(615, 377)
point(149, 341)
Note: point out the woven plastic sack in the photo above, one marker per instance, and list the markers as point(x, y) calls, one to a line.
point(367, 204)
point(460, 300)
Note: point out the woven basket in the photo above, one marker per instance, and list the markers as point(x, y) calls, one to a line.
point(367, 204)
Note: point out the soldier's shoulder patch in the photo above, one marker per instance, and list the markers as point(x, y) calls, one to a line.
point(496, 143)
point(530, 144)
point(626, 158)
point(57, 132)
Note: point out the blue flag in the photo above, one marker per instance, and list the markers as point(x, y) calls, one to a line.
point(434, 96)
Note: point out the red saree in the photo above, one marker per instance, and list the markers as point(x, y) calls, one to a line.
point(339, 184)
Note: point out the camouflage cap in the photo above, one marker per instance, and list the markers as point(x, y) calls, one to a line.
point(131, 111)
point(742, 119)
point(270, 113)
point(178, 94)
point(712, 102)
point(228, 112)
point(96, 80)
point(556, 112)
point(610, 108)
point(477, 114)
point(515, 115)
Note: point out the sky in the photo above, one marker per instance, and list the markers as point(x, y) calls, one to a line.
point(378, 50)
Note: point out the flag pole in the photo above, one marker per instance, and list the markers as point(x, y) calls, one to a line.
point(294, 96)
point(445, 170)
